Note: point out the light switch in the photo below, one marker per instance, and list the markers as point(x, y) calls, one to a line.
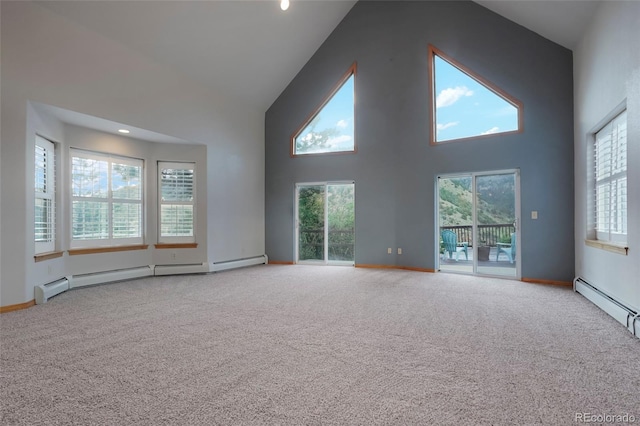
point(534, 214)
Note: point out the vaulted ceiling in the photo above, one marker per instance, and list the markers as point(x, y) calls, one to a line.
point(251, 50)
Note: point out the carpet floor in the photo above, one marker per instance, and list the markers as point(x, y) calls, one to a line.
point(311, 345)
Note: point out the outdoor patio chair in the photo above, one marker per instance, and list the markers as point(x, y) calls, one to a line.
point(508, 248)
point(450, 242)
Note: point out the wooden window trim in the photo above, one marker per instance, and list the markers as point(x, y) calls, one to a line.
point(47, 256)
point(292, 141)
point(488, 84)
point(608, 246)
point(176, 245)
point(95, 250)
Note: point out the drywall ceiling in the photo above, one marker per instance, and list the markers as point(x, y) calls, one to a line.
point(251, 50)
point(560, 21)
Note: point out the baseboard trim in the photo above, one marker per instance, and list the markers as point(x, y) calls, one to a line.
point(19, 306)
point(405, 268)
point(547, 282)
point(279, 262)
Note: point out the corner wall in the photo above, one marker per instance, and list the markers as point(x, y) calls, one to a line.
point(395, 168)
point(607, 72)
point(51, 60)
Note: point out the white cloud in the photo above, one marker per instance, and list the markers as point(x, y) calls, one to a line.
point(447, 125)
point(491, 131)
point(450, 96)
point(339, 140)
point(342, 124)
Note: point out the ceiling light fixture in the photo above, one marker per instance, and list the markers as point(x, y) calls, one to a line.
point(123, 131)
point(284, 4)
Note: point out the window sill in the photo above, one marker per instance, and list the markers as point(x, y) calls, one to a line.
point(47, 256)
point(176, 245)
point(605, 245)
point(75, 252)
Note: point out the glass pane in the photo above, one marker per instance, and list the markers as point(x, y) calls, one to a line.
point(341, 213)
point(177, 185)
point(89, 178)
point(127, 220)
point(464, 107)
point(41, 169)
point(496, 215)
point(90, 220)
point(176, 221)
point(456, 224)
point(331, 130)
point(126, 182)
point(43, 223)
point(311, 222)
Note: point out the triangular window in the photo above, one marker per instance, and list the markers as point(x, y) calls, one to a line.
point(331, 126)
point(466, 105)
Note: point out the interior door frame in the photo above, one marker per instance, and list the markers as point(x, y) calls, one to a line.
point(296, 224)
point(474, 175)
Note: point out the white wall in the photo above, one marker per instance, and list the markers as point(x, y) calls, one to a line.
point(607, 72)
point(51, 60)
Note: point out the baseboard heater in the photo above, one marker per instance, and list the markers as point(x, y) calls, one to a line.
point(110, 276)
point(622, 313)
point(239, 263)
point(196, 268)
point(44, 292)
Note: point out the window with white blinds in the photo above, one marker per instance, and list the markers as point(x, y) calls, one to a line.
point(106, 200)
point(176, 202)
point(611, 180)
point(45, 196)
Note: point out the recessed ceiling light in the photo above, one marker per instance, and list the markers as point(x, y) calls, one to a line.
point(284, 4)
point(123, 131)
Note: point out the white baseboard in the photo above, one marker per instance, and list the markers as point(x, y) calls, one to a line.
point(110, 276)
point(622, 313)
point(238, 263)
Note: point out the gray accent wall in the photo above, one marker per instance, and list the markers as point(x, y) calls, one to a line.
point(395, 168)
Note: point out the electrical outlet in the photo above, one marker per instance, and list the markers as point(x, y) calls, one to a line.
point(399, 250)
point(389, 250)
point(534, 214)
point(173, 255)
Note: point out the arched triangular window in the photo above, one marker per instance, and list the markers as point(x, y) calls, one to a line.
point(465, 105)
point(330, 128)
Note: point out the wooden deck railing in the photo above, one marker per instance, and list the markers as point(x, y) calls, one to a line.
point(341, 244)
point(487, 234)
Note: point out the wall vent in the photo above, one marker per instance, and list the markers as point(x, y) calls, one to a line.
point(110, 276)
point(44, 292)
point(622, 313)
point(239, 263)
point(197, 268)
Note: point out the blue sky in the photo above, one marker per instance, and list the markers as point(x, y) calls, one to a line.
point(465, 108)
point(336, 114)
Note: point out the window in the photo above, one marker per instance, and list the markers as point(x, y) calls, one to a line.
point(45, 196)
point(611, 180)
point(331, 127)
point(465, 105)
point(177, 202)
point(106, 198)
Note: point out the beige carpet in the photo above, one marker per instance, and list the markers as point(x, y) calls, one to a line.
point(316, 345)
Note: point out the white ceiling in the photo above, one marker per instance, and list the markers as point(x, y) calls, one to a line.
point(249, 50)
point(561, 21)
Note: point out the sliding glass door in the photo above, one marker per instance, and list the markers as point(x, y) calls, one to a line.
point(478, 229)
point(325, 223)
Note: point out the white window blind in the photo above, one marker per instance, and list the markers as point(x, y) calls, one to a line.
point(107, 195)
point(177, 202)
point(45, 196)
point(611, 180)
